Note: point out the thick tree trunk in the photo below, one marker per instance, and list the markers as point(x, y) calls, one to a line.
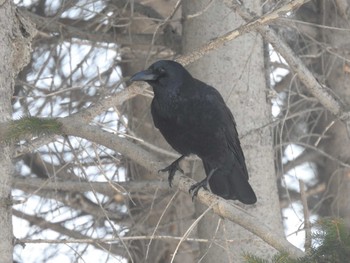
point(14, 54)
point(237, 71)
point(6, 90)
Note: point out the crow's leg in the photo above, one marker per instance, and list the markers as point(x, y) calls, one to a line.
point(172, 168)
point(195, 188)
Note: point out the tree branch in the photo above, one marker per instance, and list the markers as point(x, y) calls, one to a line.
point(105, 188)
point(138, 88)
point(76, 201)
point(226, 209)
point(305, 75)
point(43, 224)
point(82, 30)
point(77, 127)
point(253, 24)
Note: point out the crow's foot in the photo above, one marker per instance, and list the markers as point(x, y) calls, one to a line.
point(172, 168)
point(195, 188)
point(202, 184)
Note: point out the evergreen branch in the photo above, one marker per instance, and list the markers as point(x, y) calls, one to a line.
point(28, 127)
point(331, 243)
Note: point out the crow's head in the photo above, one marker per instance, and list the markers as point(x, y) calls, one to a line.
point(163, 73)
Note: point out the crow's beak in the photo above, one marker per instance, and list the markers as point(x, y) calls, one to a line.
point(144, 76)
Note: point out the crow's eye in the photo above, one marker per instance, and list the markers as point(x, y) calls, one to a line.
point(161, 70)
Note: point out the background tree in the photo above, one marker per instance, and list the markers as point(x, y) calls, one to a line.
point(95, 184)
point(17, 33)
point(236, 70)
point(317, 36)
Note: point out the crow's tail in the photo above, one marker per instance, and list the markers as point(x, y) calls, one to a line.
point(230, 182)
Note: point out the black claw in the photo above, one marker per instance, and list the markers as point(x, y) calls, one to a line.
point(195, 193)
point(195, 188)
point(172, 168)
point(202, 184)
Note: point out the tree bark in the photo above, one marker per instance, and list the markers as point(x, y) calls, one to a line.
point(237, 71)
point(6, 89)
point(14, 53)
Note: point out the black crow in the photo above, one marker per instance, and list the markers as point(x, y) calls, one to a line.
point(194, 119)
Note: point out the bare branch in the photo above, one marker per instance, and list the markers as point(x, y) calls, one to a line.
point(74, 126)
point(305, 75)
point(221, 207)
point(42, 223)
point(82, 30)
point(252, 24)
point(228, 210)
point(106, 188)
point(115, 240)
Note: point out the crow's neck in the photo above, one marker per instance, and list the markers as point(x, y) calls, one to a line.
point(166, 99)
point(170, 98)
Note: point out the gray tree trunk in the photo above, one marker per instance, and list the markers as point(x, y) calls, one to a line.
point(14, 54)
point(237, 71)
point(6, 90)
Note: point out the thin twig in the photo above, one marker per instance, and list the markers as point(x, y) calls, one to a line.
point(159, 220)
point(189, 230)
point(307, 225)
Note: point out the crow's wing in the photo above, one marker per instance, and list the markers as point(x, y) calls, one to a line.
point(228, 124)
